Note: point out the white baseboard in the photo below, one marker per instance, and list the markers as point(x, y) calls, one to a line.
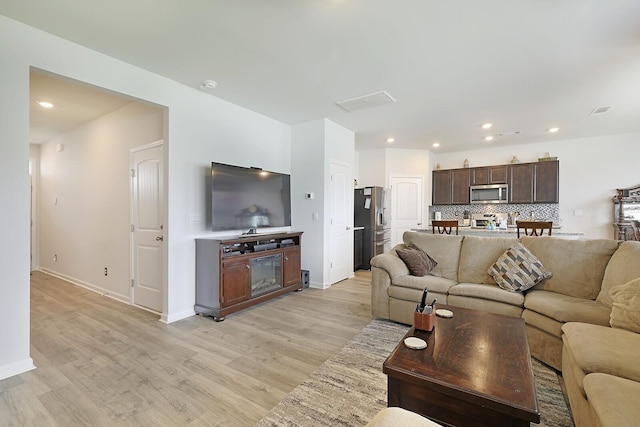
point(16, 368)
point(319, 285)
point(174, 317)
point(89, 286)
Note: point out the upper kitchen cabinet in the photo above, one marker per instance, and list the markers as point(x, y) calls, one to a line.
point(451, 187)
point(546, 182)
point(534, 182)
point(521, 183)
point(488, 175)
point(528, 182)
point(441, 183)
point(460, 186)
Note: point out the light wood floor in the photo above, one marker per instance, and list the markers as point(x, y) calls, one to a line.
point(103, 363)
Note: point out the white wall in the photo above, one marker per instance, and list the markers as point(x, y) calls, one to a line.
point(84, 198)
point(314, 145)
point(14, 227)
point(34, 158)
point(199, 129)
point(372, 168)
point(590, 171)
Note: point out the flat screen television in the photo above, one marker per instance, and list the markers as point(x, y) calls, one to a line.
point(249, 198)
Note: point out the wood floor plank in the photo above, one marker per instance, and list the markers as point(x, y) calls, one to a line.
point(102, 362)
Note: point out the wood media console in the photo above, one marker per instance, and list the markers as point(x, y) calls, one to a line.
point(233, 274)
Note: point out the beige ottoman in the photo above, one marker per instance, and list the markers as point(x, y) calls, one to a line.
point(398, 417)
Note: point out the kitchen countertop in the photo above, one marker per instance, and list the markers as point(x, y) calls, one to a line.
point(511, 231)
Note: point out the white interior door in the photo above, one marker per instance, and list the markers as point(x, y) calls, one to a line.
point(341, 207)
point(406, 205)
point(147, 201)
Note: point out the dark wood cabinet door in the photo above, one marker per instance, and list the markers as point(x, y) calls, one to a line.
point(546, 182)
point(479, 176)
point(460, 186)
point(236, 282)
point(291, 271)
point(441, 183)
point(498, 174)
point(521, 183)
point(357, 249)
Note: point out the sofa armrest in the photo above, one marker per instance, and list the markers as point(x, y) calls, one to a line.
point(391, 263)
point(384, 268)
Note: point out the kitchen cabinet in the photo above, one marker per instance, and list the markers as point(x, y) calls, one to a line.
point(546, 182)
point(488, 175)
point(535, 182)
point(521, 183)
point(357, 249)
point(441, 183)
point(528, 182)
point(460, 186)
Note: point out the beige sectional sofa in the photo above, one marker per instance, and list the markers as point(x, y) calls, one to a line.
point(570, 305)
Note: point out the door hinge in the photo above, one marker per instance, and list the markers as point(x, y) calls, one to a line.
point(132, 228)
point(132, 283)
point(133, 173)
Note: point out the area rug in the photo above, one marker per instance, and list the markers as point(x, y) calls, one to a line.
point(350, 388)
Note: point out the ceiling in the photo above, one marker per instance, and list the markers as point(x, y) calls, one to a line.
point(451, 66)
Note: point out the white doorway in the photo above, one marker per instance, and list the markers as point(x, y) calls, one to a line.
point(406, 205)
point(341, 222)
point(147, 226)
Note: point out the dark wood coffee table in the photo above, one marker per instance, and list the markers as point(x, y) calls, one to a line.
point(476, 371)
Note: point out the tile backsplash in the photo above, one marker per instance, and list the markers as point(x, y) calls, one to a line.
point(539, 211)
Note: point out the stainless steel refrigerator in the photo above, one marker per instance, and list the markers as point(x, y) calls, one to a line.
point(371, 212)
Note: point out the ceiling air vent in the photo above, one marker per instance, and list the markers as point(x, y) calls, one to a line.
point(599, 110)
point(366, 101)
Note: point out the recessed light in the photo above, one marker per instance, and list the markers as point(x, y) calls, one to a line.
point(487, 125)
point(436, 144)
point(553, 130)
point(45, 104)
point(488, 138)
point(391, 140)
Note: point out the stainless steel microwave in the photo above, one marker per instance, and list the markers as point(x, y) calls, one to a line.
point(495, 193)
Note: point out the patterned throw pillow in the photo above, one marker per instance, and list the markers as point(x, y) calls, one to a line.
point(518, 269)
point(625, 313)
point(418, 261)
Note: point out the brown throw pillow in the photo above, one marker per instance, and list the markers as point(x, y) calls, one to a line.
point(625, 313)
point(518, 269)
point(418, 261)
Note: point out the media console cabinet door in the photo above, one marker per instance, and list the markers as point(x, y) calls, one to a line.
point(236, 281)
point(291, 270)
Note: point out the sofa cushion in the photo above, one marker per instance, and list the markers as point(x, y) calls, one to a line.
point(542, 322)
point(442, 248)
point(603, 349)
point(488, 292)
point(565, 308)
point(625, 313)
point(578, 265)
point(614, 400)
point(418, 261)
point(478, 254)
point(517, 269)
point(433, 283)
point(622, 267)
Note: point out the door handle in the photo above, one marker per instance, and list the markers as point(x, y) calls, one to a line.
point(159, 238)
point(348, 228)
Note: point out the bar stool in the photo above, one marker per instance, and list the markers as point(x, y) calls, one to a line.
point(534, 228)
point(444, 226)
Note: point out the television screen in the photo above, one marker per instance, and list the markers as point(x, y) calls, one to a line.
point(248, 198)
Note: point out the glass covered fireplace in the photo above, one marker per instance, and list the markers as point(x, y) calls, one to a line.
point(266, 274)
